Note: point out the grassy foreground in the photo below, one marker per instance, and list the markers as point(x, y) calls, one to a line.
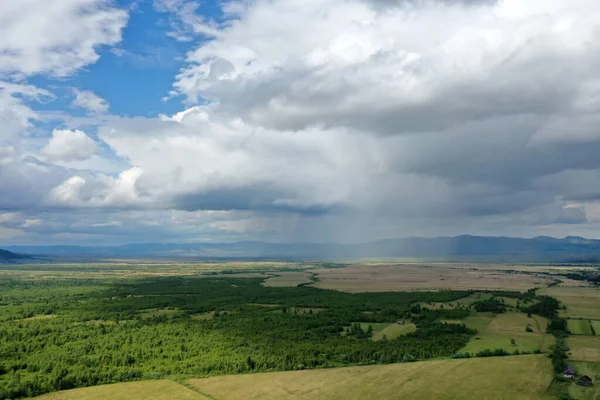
point(499, 378)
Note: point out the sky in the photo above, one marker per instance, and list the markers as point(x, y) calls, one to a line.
point(132, 121)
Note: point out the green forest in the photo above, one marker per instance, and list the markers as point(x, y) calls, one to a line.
point(57, 335)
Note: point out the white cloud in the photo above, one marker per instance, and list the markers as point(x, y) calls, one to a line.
point(186, 20)
point(88, 100)
point(24, 179)
point(7, 153)
point(107, 224)
point(69, 145)
point(32, 223)
point(55, 37)
point(14, 114)
point(386, 70)
point(384, 118)
point(97, 191)
point(7, 218)
point(208, 163)
point(490, 74)
point(68, 192)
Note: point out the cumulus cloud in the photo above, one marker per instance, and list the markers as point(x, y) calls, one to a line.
point(24, 180)
point(89, 101)
point(384, 118)
point(387, 70)
point(14, 114)
point(367, 118)
point(7, 153)
point(55, 37)
point(69, 145)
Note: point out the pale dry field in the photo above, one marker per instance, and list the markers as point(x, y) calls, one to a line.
point(501, 378)
point(392, 331)
point(580, 302)
point(416, 277)
point(496, 332)
point(145, 390)
point(140, 268)
point(584, 348)
point(292, 278)
point(397, 276)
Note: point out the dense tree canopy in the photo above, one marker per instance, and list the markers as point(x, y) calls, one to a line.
point(59, 335)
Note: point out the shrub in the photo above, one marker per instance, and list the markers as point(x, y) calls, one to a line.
point(557, 325)
point(492, 353)
point(461, 355)
point(492, 305)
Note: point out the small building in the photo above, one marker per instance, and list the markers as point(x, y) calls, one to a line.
point(569, 372)
point(585, 381)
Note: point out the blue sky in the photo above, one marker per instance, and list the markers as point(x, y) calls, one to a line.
point(136, 75)
point(297, 120)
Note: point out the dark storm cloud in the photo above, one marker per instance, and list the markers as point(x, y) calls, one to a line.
point(258, 197)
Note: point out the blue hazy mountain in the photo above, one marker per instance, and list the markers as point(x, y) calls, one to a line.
point(8, 256)
point(459, 246)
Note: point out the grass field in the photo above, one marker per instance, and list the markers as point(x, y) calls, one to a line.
point(583, 393)
point(282, 279)
point(145, 390)
point(478, 321)
point(523, 377)
point(415, 277)
point(586, 393)
point(407, 276)
point(159, 312)
point(390, 331)
point(203, 316)
point(510, 378)
point(496, 332)
point(148, 268)
point(580, 327)
point(578, 392)
point(509, 301)
point(584, 348)
point(596, 326)
point(41, 316)
point(581, 302)
point(465, 302)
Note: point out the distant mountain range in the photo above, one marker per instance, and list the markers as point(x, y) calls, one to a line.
point(8, 256)
point(571, 247)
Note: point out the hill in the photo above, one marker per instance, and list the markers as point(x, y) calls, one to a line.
point(8, 256)
point(568, 249)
